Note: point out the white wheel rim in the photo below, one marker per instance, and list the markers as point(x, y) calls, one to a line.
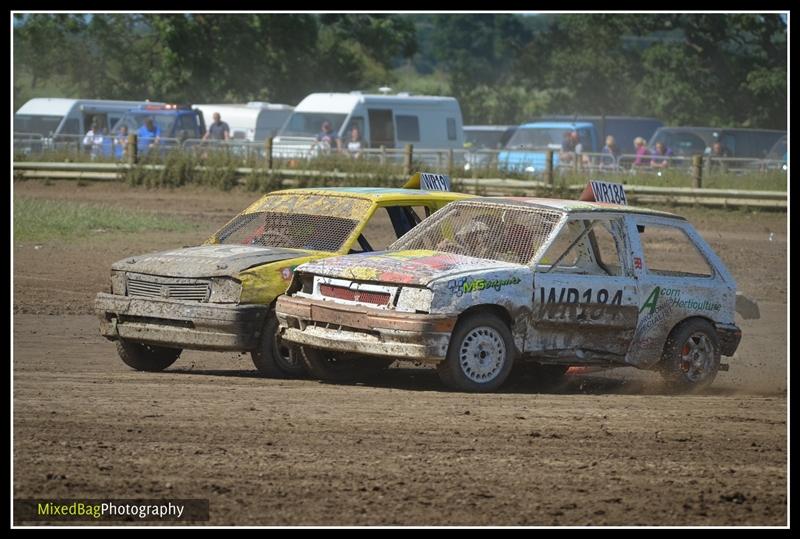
point(697, 357)
point(482, 354)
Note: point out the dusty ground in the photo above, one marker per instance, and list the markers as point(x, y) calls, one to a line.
point(602, 449)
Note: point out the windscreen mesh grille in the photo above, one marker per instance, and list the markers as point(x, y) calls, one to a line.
point(319, 223)
point(495, 231)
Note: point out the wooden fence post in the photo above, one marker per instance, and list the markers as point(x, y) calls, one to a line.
point(450, 159)
point(548, 168)
point(408, 159)
point(268, 152)
point(697, 171)
point(133, 149)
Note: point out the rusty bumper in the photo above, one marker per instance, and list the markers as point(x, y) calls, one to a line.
point(364, 330)
point(199, 326)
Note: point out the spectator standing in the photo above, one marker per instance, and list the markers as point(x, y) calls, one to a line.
point(642, 153)
point(121, 142)
point(570, 147)
point(611, 153)
point(327, 139)
point(218, 130)
point(93, 141)
point(354, 144)
point(719, 152)
point(661, 157)
point(149, 135)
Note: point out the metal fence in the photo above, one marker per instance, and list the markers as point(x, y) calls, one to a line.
point(463, 162)
point(85, 147)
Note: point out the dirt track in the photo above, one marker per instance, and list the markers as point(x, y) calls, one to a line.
point(397, 449)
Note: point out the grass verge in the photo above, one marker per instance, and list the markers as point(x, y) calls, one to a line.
point(41, 220)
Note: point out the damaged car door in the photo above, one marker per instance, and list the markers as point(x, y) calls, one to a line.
point(585, 294)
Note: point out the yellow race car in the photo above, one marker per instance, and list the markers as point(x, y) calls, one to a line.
point(221, 295)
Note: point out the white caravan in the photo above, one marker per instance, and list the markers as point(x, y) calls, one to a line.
point(255, 121)
point(50, 117)
point(391, 121)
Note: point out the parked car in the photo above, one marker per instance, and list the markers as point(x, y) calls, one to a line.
point(220, 295)
point(777, 157)
point(490, 281)
point(526, 151)
point(483, 141)
point(688, 141)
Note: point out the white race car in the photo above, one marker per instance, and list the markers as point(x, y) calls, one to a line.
point(486, 282)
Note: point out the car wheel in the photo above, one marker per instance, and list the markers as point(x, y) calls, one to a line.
point(325, 365)
point(691, 356)
point(273, 358)
point(480, 356)
point(147, 357)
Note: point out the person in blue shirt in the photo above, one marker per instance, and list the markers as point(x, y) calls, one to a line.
point(611, 153)
point(327, 139)
point(149, 135)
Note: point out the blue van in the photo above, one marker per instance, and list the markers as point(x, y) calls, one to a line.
point(175, 124)
point(526, 150)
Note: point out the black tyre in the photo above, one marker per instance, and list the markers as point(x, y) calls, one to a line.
point(274, 359)
point(325, 365)
point(691, 356)
point(147, 357)
point(480, 356)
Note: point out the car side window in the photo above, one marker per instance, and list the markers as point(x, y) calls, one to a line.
point(584, 247)
point(386, 225)
point(669, 251)
point(606, 249)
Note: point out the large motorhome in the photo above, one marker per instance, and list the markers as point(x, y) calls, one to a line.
point(51, 117)
point(389, 121)
point(254, 121)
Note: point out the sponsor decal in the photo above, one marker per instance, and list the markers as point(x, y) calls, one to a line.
point(673, 297)
point(573, 295)
point(466, 285)
point(637, 262)
point(286, 273)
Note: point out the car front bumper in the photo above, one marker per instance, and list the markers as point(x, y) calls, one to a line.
point(364, 330)
point(199, 326)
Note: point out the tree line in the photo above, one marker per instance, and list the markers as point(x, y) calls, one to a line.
point(700, 69)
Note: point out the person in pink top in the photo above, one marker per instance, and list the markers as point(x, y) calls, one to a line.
point(642, 153)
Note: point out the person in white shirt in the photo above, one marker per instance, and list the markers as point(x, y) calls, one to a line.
point(354, 144)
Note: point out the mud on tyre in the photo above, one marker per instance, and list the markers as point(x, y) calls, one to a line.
point(274, 359)
point(691, 356)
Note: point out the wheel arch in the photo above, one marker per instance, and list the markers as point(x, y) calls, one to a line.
point(493, 308)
